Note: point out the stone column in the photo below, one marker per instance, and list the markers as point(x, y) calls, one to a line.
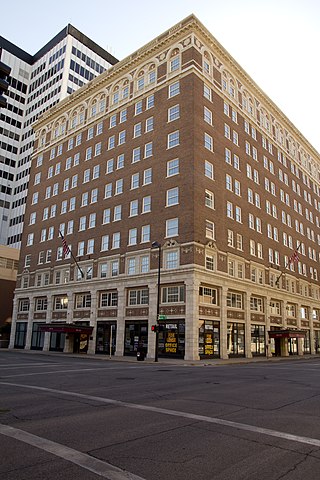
point(14, 321)
point(120, 322)
point(93, 323)
point(192, 319)
point(30, 323)
point(268, 315)
point(312, 342)
point(46, 341)
point(247, 325)
point(223, 324)
point(153, 298)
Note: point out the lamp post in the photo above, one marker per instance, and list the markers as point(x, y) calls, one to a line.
point(157, 245)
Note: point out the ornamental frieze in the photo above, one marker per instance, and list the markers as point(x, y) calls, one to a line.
point(174, 310)
point(40, 316)
point(235, 315)
point(59, 315)
point(256, 317)
point(108, 313)
point(304, 323)
point(81, 314)
point(209, 311)
point(137, 312)
point(22, 316)
point(292, 322)
point(277, 320)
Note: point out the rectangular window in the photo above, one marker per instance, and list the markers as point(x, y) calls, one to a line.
point(173, 139)
point(172, 227)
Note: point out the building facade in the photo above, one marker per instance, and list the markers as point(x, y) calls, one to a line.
point(176, 145)
point(37, 82)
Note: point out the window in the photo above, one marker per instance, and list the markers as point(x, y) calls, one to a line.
point(108, 299)
point(116, 240)
point(173, 139)
point(133, 236)
point(119, 187)
point(208, 295)
point(173, 294)
point(173, 113)
point(137, 130)
point(83, 300)
point(104, 243)
point(172, 167)
point(60, 303)
point(108, 190)
point(90, 246)
point(136, 155)
point(147, 176)
point(133, 208)
point(138, 297)
point(135, 180)
point(148, 150)
point(146, 204)
point(174, 89)
point(117, 213)
point(175, 63)
point(172, 196)
point(209, 229)
point(131, 266)
point(171, 259)
point(207, 115)
point(208, 142)
point(172, 226)
point(138, 107)
point(208, 170)
point(209, 199)
point(145, 233)
point(234, 300)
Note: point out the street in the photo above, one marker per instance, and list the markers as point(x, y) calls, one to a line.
point(67, 417)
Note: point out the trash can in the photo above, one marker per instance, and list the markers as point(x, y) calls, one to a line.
point(140, 355)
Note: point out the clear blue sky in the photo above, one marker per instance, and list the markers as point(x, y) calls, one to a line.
point(275, 41)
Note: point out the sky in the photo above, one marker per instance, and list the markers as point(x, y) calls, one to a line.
point(275, 41)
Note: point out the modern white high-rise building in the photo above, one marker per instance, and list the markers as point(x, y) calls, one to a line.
point(37, 82)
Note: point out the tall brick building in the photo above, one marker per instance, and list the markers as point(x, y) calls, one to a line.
point(176, 145)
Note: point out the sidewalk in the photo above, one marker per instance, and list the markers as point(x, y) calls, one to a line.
point(169, 361)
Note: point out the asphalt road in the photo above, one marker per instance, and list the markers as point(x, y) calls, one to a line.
point(64, 417)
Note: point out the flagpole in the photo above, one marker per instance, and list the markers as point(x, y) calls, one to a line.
point(288, 262)
point(64, 243)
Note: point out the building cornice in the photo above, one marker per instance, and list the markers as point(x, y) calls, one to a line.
point(189, 25)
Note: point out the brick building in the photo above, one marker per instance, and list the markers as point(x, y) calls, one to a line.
point(176, 145)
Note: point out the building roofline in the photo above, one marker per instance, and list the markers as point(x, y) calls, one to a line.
point(68, 30)
point(16, 51)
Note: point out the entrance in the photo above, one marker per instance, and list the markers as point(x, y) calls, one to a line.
point(235, 339)
point(80, 343)
point(209, 339)
point(172, 339)
point(136, 335)
point(106, 336)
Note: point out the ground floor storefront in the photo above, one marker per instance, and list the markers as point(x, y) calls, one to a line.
point(104, 339)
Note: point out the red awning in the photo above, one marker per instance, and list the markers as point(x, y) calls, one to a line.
point(65, 328)
point(287, 333)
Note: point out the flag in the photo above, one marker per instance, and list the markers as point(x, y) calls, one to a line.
point(65, 248)
point(294, 257)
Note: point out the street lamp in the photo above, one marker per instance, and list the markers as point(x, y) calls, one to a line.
point(157, 245)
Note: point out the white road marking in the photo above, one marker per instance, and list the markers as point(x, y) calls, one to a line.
point(103, 469)
point(79, 370)
point(176, 413)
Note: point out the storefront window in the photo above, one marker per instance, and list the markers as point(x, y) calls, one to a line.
point(21, 333)
point(317, 341)
point(258, 340)
point(57, 341)
point(306, 345)
point(209, 338)
point(37, 338)
point(136, 336)
point(172, 338)
point(236, 339)
point(106, 336)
